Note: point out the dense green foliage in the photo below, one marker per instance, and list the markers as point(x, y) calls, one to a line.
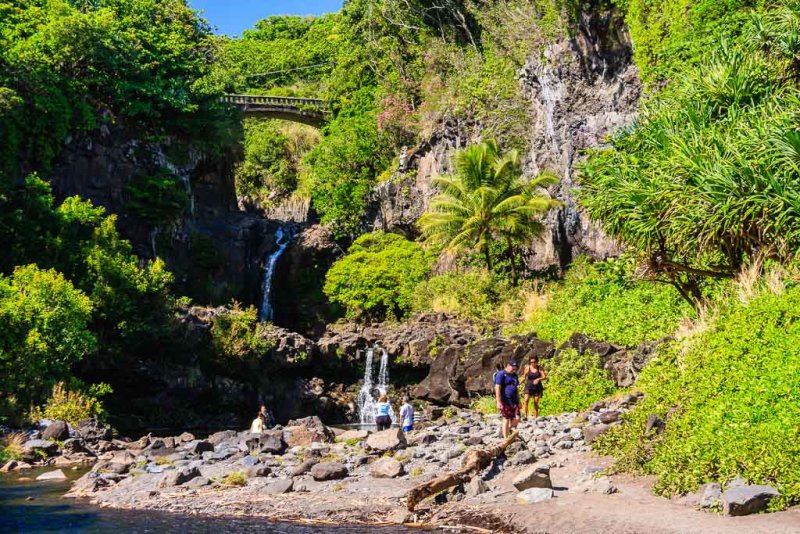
point(45, 330)
point(574, 382)
point(474, 294)
point(73, 406)
point(605, 302)
point(378, 276)
point(487, 200)
point(728, 393)
point(709, 176)
point(238, 335)
point(390, 72)
point(67, 67)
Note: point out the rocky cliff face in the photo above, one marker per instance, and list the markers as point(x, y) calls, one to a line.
point(580, 90)
point(215, 250)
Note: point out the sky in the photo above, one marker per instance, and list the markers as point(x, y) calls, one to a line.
point(231, 17)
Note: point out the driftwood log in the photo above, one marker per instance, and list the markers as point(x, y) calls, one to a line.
point(474, 460)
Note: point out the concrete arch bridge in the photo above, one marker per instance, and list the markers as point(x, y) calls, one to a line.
point(311, 111)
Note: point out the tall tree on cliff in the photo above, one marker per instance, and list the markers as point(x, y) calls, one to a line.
point(486, 200)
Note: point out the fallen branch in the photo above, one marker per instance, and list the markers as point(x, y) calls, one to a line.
point(474, 460)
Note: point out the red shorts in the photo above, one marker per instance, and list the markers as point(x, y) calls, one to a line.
point(510, 411)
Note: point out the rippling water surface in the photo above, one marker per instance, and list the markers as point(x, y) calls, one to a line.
point(30, 506)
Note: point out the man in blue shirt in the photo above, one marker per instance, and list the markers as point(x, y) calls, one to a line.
point(506, 389)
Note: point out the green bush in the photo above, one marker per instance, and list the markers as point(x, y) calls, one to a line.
point(574, 381)
point(239, 335)
point(378, 276)
point(45, 331)
point(474, 294)
point(728, 393)
point(72, 406)
point(158, 199)
point(604, 302)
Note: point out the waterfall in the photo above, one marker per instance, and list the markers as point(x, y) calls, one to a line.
point(366, 398)
point(549, 98)
point(282, 238)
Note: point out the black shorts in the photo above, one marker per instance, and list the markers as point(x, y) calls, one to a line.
point(534, 390)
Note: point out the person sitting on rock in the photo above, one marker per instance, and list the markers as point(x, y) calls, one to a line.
point(506, 388)
point(258, 424)
point(383, 410)
point(407, 414)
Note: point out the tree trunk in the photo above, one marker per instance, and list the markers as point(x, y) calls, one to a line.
point(474, 460)
point(513, 259)
point(488, 257)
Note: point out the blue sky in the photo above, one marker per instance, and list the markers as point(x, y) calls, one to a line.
point(231, 17)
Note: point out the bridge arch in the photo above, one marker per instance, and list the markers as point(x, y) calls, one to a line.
point(309, 111)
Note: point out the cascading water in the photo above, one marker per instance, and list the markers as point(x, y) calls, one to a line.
point(282, 238)
point(366, 395)
point(549, 98)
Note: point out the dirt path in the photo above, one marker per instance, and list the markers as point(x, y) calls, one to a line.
point(632, 509)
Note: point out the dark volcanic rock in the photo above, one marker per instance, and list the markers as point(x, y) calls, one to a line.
point(328, 471)
point(179, 477)
point(745, 500)
point(92, 431)
point(315, 427)
point(57, 430)
point(270, 441)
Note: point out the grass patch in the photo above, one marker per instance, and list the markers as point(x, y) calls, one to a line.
point(235, 478)
point(485, 405)
point(416, 472)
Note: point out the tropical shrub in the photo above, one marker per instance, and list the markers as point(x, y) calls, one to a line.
point(45, 331)
point(728, 393)
point(605, 302)
point(378, 276)
point(72, 406)
point(708, 177)
point(574, 381)
point(239, 335)
point(473, 293)
point(159, 198)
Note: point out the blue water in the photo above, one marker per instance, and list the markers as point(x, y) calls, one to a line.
point(47, 511)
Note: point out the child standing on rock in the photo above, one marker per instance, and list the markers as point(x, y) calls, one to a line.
point(407, 414)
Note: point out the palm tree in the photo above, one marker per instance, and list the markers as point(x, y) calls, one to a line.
point(485, 200)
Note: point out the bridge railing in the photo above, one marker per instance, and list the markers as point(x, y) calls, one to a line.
point(263, 100)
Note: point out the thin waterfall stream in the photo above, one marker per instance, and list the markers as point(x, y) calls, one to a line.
point(366, 395)
point(282, 239)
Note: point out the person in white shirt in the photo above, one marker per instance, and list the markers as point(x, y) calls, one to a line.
point(407, 414)
point(258, 424)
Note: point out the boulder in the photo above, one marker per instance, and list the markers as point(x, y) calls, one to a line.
point(386, 468)
point(75, 446)
point(303, 467)
point(386, 440)
point(708, 495)
point(257, 471)
point(199, 446)
point(197, 482)
point(56, 475)
point(602, 485)
point(592, 432)
point(745, 500)
point(46, 446)
point(476, 486)
point(534, 477)
point(318, 430)
point(217, 438)
point(93, 430)
point(179, 477)
point(610, 416)
point(269, 442)
point(534, 495)
point(9, 466)
point(186, 437)
point(654, 422)
point(328, 471)
point(282, 485)
point(57, 430)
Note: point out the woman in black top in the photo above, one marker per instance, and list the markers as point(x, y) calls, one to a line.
point(534, 375)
